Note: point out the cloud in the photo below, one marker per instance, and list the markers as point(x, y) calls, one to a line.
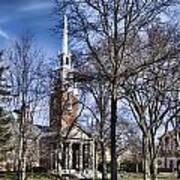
point(36, 6)
point(4, 34)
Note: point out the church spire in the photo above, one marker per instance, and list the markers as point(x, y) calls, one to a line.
point(65, 55)
point(65, 36)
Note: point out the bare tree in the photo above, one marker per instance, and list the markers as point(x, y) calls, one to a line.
point(98, 122)
point(150, 93)
point(99, 110)
point(28, 84)
point(115, 23)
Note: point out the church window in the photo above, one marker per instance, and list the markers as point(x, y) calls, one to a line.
point(67, 61)
point(61, 61)
point(167, 141)
point(69, 101)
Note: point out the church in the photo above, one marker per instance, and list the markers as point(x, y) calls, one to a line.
point(65, 148)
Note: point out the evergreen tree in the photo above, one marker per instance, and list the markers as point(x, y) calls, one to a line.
point(5, 132)
point(5, 116)
point(3, 85)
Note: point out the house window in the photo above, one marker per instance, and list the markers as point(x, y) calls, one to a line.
point(159, 163)
point(171, 165)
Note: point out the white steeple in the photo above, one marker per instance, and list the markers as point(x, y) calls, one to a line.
point(66, 67)
point(65, 36)
point(65, 55)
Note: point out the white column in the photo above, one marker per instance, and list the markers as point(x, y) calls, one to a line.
point(94, 159)
point(60, 159)
point(67, 156)
point(70, 155)
point(81, 157)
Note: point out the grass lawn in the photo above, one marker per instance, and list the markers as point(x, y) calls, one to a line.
point(128, 176)
point(10, 176)
point(161, 176)
point(41, 177)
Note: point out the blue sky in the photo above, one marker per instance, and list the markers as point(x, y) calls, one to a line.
point(17, 16)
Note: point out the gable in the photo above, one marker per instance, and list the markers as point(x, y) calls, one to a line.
point(77, 133)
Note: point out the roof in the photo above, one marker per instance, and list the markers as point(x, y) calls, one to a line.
point(76, 131)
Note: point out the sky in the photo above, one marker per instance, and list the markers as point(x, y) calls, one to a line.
point(18, 16)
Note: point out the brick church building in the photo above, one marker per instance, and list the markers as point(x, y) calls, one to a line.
point(65, 148)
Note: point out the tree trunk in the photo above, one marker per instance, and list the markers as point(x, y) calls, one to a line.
point(147, 168)
point(24, 168)
point(113, 136)
point(21, 161)
point(150, 163)
point(103, 160)
point(146, 159)
point(153, 171)
point(22, 144)
point(102, 121)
